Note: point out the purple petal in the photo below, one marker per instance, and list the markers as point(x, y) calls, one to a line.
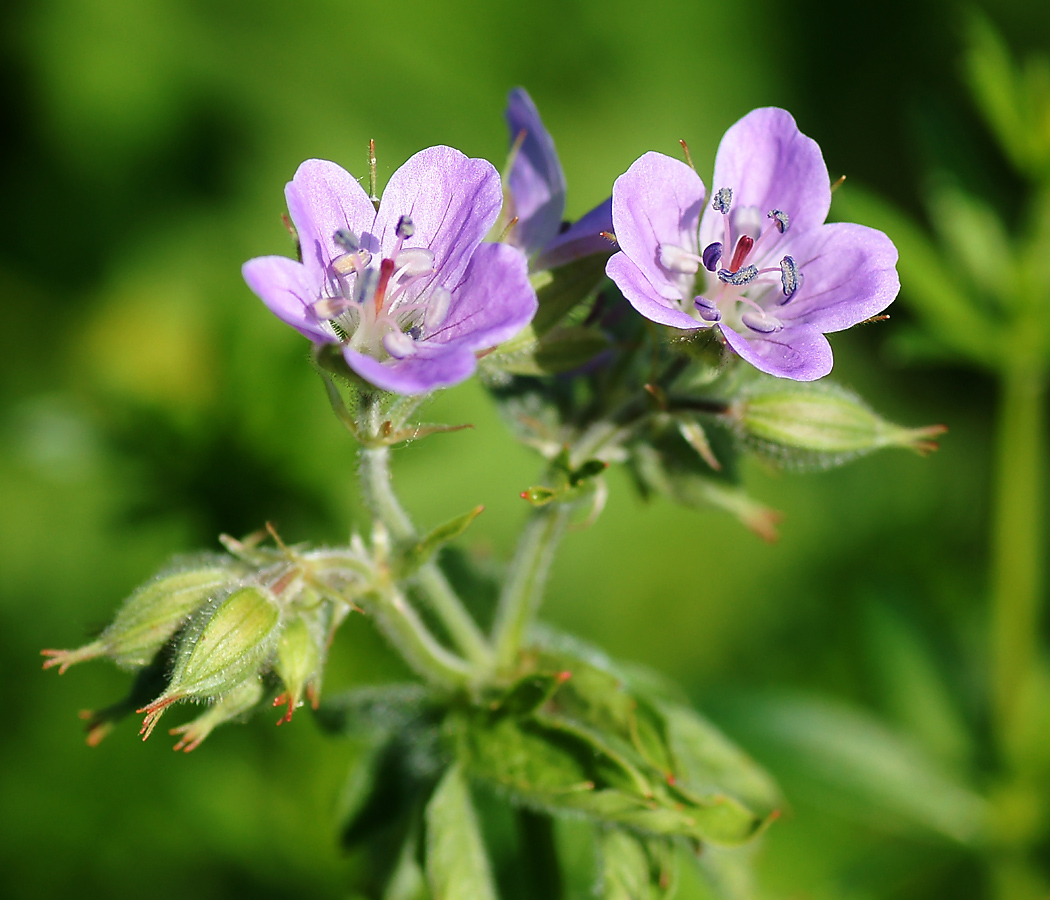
point(453, 202)
point(798, 352)
point(433, 367)
point(536, 181)
point(656, 201)
point(770, 164)
point(322, 198)
point(494, 301)
point(582, 239)
point(644, 297)
point(850, 275)
point(288, 290)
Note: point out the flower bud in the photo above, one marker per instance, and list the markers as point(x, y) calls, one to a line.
point(819, 423)
point(151, 615)
point(233, 704)
point(300, 657)
point(229, 641)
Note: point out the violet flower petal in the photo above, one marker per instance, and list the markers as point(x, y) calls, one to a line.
point(583, 238)
point(798, 352)
point(288, 290)
point(643, 296)
point(415, 374)
point(850, 275)
point(453, 202)
point(323, 197)
point(536, 181)
point(769, 164)
point(656, 201)
point(492, 303)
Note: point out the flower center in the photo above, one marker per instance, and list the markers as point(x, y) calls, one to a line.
point(745, 292)
point(383, 307)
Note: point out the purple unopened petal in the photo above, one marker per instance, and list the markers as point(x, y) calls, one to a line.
point(769, 164)
point(452, 200)
point(322, 198)
point(641, 294)
point(850, 275)
point(582, 239)
point(435, 367)
point(288, 290)
point(494, 301)
point(536, 180)
point(656, 201)
point(798, 352)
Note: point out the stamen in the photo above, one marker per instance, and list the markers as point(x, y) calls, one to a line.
point(331, 307)
point(743, 248)
point(398, 344)
point(747, 220)
point(712, 256)
point(352, 262)
point(709, 312)
point(405, 227)
point(740, 277)
point(723, 200)
point(780, 219)
point(437, 308)
point(761, 322)
point(365, 285)
point(415, 261)
point(346, 239)
point(790, 278)
point(678, 259)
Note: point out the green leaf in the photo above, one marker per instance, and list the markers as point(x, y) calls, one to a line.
point(636, 869)
point(407, 881)
point(559, 350)
point(412, 557)
point(928, 284)
point(457, 865)
point(561, 289)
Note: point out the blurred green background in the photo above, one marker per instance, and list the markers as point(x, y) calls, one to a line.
point(148, 402)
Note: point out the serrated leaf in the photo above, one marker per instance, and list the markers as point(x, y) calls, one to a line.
point(411, 557)
point(457, 865)
point(636, 869)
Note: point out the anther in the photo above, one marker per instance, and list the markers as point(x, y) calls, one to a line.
point(740, 277)
point(709, 312)
point(365, 285)
point(405, 227)
point(398, 344)
point(712, 255)
point(780, 219)
point(352, 262)
point(743, 248)
point(415, 261)
point(331, 307)
point(790, 278)
point(723, 200)
point(437, 308)
point(346, 239)
point(761, 322)
point(678, 259)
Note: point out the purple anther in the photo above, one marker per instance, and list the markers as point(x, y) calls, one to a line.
point(780, 219)
point(346, 240)
point(712, 255)
point(723, 200)
point(790, 278)
point(405, 228)
point(760, 322)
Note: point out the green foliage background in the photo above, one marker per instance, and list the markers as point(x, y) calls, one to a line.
point(148, 401)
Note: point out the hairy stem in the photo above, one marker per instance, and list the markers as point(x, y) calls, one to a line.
point(1017, 534)
point(526, 579)
point(379, 497)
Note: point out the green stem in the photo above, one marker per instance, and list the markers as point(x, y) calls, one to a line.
point(383, 504)
point(1017, 540)
point(418, 646)
point(523, 588)
point(540, 852)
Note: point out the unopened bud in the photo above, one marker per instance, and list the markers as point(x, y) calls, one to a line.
point(227, 644)
point(150, 616)
point(300, 656)
point(232, 705)
point(823, 424)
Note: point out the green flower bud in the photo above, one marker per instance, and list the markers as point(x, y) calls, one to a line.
point(819, 424)
point(227, 642)
point(232, 705)
point(300, 658)
point(151, 615)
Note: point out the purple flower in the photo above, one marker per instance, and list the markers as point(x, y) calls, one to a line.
point(763, 266)
point(536, 195)
point(410, 292)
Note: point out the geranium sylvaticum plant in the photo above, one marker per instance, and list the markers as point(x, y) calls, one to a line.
point(453, 273)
